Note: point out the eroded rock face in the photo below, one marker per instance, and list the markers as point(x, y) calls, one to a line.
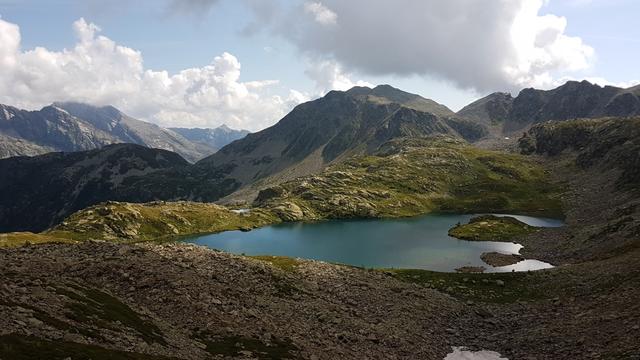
point(494, 108)
point(351, 206)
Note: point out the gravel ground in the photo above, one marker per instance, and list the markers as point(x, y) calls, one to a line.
point(194, 295)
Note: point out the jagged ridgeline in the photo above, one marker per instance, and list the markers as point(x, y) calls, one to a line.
point(569, 101)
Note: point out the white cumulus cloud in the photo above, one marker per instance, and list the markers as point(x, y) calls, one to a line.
point(542, 48)
point(481, 44)
point(99, 71)
point(328, 75)
point(322, 14)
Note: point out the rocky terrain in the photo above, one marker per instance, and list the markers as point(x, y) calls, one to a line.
point(115, 221)
point(500, 259)
point(327, 132)
point(187, 302)
point(493, 109)
point(148, 301)
point(407, 178)
point(570, 101)
point(608, 144)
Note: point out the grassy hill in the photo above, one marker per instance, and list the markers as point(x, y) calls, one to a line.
point(415, 176)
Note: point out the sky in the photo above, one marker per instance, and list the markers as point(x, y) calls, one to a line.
point(246, 63)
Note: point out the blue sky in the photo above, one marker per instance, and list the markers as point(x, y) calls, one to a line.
point(173, 37)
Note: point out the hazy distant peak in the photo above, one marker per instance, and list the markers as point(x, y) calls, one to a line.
point(225, 128)
point(214, 138)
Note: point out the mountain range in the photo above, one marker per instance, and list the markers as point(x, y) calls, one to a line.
point(214, 139)
point(313, 136)
point(339, 125)
point(570, 101)
point(68, 126)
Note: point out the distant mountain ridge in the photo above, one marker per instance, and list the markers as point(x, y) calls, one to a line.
point(570, 101)
point(69, 126)
point(215, 138)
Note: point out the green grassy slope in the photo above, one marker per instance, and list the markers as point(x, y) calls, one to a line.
point(155, 221)
point(491, 228)
point(415, 176)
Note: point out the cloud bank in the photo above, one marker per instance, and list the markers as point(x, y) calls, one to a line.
point(484, 45)
point(99, 71)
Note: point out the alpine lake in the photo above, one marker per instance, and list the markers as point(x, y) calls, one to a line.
point(408, 243)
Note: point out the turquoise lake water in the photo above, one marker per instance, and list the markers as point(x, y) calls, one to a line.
point(414, 243)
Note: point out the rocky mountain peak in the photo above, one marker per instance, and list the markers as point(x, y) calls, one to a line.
point(7, 112)
point(492, 108)
point(103, 117)
point(393, 94)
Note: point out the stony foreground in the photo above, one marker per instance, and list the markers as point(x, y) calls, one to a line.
point(193, 303)
point(108, 301)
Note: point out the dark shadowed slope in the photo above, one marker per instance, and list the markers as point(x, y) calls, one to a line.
point(38, 191)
